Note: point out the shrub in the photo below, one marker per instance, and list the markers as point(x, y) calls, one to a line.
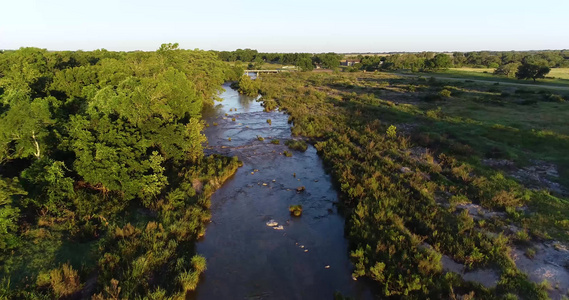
point(298, 145)
point(62, 282)
point(522, 236)
point(391, 132)
point(287, 154)
point(199, 263)
point(459, 199)
point(248, 86)
point(295, 210)
point(445, 93)
point(530, 253)
point(554, 98)
point(269, 104)
point(269, 121)
point(188, 280)
point(434, 113)
point(260, 138)
point(275, 141)
point(504, 199)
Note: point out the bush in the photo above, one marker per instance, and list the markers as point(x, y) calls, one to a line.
point(554, 98)
point(298, 145)
point(62, 282)
point(269, 104)
point(445, 93)
point(295, 210)
point(248, 86)
point(275, 142)
point(530, 253)
point(503, 199)
point(459, 199)
point(391, 132)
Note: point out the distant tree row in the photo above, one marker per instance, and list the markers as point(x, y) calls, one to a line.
point(484, 59)
point(522, 65)
point(304, 61)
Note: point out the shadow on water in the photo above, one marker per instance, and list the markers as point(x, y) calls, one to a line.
point(306, 258)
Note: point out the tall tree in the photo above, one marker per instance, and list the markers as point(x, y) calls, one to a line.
point(533, 71)
point(508, 70)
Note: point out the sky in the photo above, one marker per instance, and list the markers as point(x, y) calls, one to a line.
point(286, 26)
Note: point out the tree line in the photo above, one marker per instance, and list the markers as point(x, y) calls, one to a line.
point(304, 61)
point(483, 59)
point(519, 64)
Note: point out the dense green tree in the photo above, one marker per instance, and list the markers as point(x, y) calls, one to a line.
point(508, 70)
point(88, 134)
point(9, 214)
point(248, 86)
point(245, 55)
point(304, 63)
point(458, 59)
point(330, 60)
point(440, 61)
point(531, 71)
point(24, 128)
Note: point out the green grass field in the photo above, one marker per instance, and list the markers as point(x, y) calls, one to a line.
point(475, 70)
point(561, 73)
point(557, 73)
point(557, 76)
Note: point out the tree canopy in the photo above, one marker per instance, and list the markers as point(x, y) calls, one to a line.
point(87, 136)
point(532, 71)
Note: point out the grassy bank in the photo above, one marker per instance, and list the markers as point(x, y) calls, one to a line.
point(411, 155)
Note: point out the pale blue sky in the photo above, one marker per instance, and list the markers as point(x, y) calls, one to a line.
point(286, 26)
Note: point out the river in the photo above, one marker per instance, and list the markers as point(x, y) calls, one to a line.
point(247, 259)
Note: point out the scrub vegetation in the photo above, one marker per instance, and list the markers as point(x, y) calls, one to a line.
point(410, 155)
point(104, 186)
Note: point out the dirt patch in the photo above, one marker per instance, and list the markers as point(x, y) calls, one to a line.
point(478, 212)
point(549, 263)
point(540, 175)
point(486, 277)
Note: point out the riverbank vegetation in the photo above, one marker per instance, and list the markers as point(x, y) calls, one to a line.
point(104, 186)
point(427, 179)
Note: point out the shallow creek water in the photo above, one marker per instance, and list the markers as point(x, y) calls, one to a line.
point(247, 259)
